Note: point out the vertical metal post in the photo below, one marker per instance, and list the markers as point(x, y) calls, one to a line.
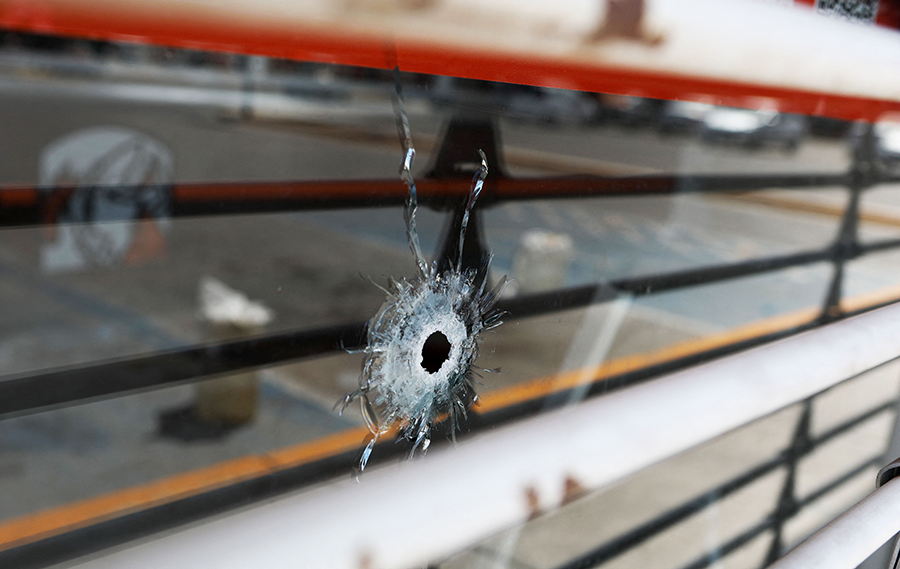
point(845, 247)
point(787, 501)
point(456, 159)
point(842, 250)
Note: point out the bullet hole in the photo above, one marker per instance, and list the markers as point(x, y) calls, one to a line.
point(422, 343)
point(435, 352)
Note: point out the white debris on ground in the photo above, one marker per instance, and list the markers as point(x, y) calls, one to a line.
point(542, 261)
point(223, 305)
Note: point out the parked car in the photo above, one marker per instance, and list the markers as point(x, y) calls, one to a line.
point(887, 141)
point(683, 116)
point(543, 104)
point(629, 110)
point(754, 128)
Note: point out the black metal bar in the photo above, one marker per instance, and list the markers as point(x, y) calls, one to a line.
point(576, 186)
point(743, 183)
point(557, 300)
point(846, 426)
point(732, 545)
point(51, 388)
point(839, 481)
point(707, 275)
point(787, 506)
point(577, 297)
point(846, 244)
point(877, 246)
point(32, 206)
point(68, 385)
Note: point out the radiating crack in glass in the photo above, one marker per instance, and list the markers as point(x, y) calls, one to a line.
point(423, 342)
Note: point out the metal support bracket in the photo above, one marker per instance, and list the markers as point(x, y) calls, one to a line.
point(863, 173)
point(456, 159)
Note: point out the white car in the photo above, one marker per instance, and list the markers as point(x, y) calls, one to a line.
point(754, 128)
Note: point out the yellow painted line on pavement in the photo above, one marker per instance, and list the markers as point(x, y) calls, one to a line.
point(866, 215)
point(54, 521)
point(544, 386)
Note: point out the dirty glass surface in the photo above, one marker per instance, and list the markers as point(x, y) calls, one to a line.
point(119, 262)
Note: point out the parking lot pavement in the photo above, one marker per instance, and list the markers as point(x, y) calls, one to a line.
point(312, 270)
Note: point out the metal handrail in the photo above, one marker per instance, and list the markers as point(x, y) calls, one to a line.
point(655, 49)
point(852, 537)
point(24, 206)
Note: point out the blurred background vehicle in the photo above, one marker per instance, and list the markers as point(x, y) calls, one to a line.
point(753, 128)
point(887, 141)
point(683, 116)
point(629, 110)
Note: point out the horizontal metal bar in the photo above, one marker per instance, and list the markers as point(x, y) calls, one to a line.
point(52, 388)
point(526, 468)
point(558, 300)
point(468, 39)
point(854, 422)
point(733, 544)
point(22, 206)
point(577, 297)
point(877, 246)
point(708, 275)
point(79, 384)
point(840, 481)
point(575, 186)
point(851, 538)
point(46, 389)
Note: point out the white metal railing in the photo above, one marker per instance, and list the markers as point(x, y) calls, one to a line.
point(851, 538)
point(393, 516)
point(585, 44)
